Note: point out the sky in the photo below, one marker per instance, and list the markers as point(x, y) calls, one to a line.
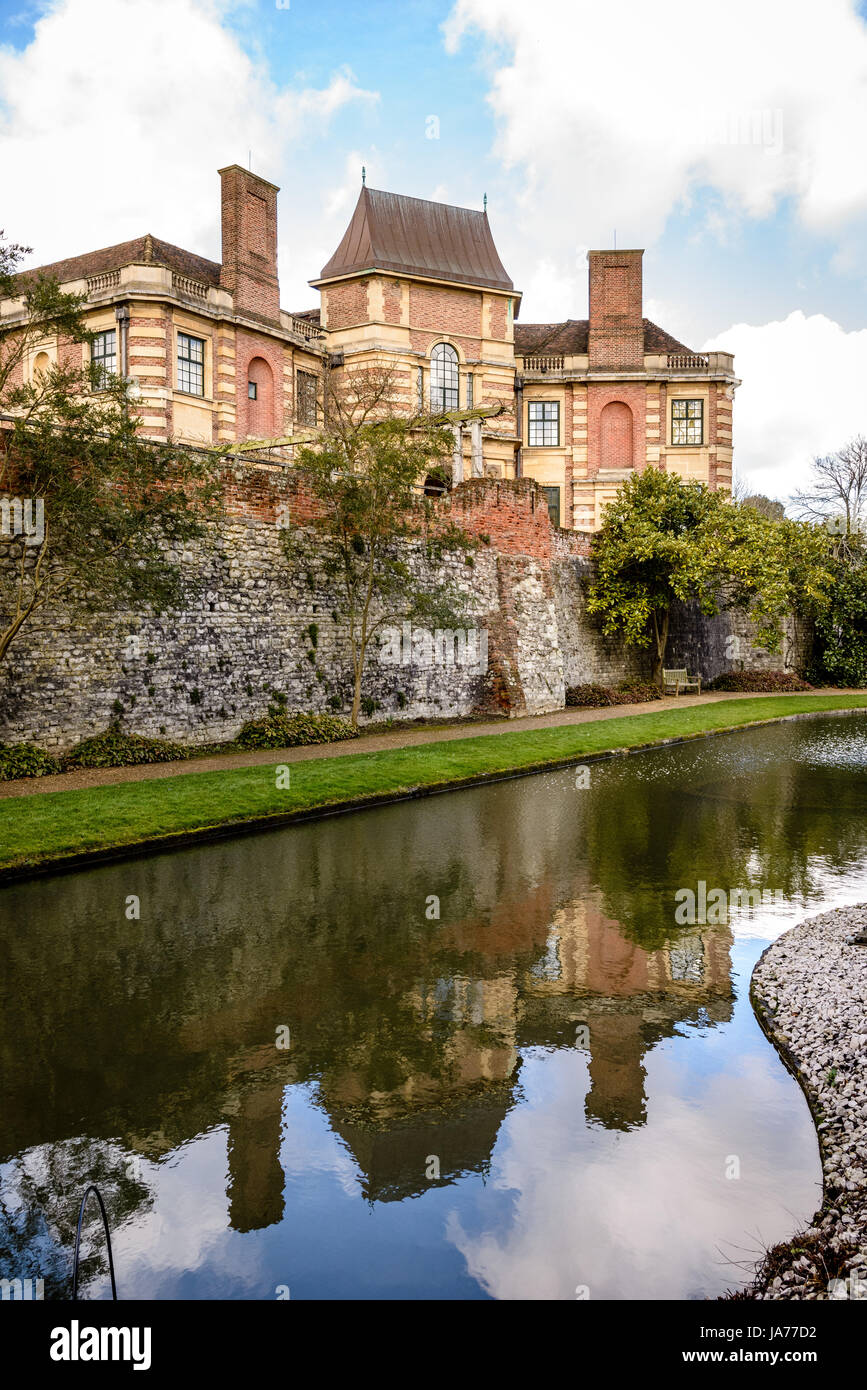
point(729, 144)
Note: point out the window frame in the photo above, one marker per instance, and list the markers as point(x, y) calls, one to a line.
point(686, 421)
point(543, 422)
point(99, 358)
point(181, 356)
point(440, 392)
point(310, 395)
point(548, 489)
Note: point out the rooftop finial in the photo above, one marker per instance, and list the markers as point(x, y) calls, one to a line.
point(485, 201)
point(363, 176)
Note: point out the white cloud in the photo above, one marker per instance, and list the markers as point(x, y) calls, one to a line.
point(618, 118)
point(803, 394)
point(115, 119)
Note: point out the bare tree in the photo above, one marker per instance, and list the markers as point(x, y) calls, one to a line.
point(839, 487)
point(364, 468)
point(765, 506)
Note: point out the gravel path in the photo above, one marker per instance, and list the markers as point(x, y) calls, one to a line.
point(809, 990)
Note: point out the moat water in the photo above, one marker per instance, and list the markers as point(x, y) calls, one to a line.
point(290, 1077)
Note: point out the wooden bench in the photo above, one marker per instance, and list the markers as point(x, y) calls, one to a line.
point(676, 680)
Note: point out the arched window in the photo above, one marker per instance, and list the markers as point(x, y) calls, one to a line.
point(616, 442)
point(443, 378)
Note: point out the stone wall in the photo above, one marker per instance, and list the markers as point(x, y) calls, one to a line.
point(715, 646)
point(254, 625)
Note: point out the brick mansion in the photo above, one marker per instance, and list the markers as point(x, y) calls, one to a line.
point(417, 286)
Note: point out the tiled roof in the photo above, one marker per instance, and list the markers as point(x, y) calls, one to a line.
point(569, 339)
point(144, 250)
point(389, 231)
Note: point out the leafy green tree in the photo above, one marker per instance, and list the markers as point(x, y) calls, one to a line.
point(841, 631)
point(364, 471)
point(663, 539)
point(94, 517)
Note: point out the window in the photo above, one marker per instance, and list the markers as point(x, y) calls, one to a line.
point(544, 424)
point(191, 365)
point(103, 355)
point(443, 378)
point(687, 422)
point(306, 383)
point(252, 391)
point(420, 389)
point(552, 497)
point(469, 390)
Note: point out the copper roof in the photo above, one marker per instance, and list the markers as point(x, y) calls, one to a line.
point(144, 250)
point(412, 236)
point(570, 339)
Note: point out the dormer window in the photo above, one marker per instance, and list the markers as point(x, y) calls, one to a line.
point(443, 378)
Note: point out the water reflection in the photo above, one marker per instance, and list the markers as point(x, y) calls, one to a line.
point(578, 1067)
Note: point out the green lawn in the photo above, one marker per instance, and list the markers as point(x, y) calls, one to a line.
point(54, 826)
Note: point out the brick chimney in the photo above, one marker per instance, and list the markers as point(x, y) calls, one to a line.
point(249, 269)
point(616, 337)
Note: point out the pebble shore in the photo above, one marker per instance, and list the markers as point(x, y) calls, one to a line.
point(809, 990)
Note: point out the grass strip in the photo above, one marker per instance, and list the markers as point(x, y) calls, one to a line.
point(54, 826)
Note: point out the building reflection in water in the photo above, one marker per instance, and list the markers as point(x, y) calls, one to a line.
point(408, 1034)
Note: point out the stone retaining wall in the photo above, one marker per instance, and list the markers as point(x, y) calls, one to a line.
point(252, 625)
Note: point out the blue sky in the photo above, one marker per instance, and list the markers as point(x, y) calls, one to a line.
point(731, 151)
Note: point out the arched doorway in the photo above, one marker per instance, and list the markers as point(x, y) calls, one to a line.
point(260, 399)
point(616, 436)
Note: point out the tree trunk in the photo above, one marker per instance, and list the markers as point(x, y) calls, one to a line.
point(660, 634)
point(356, 698)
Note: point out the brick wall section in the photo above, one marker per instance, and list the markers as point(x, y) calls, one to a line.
point(345, 305)
point(498, 317)
point(436, 313)
point(391, 301)
point(599, 395)
point(146, 331)
point(513, 515)
point(249, 223)
point(616, 331)
point(254, 419)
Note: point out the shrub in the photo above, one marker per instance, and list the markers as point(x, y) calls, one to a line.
point(116, 748)
point(633, 692)
point(279, 730)
point(637, 692)
point(590, 695)
point(760, 681)
point(25, 760)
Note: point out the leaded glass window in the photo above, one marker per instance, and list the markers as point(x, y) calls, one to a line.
point(687, 422)
point(444, 378)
